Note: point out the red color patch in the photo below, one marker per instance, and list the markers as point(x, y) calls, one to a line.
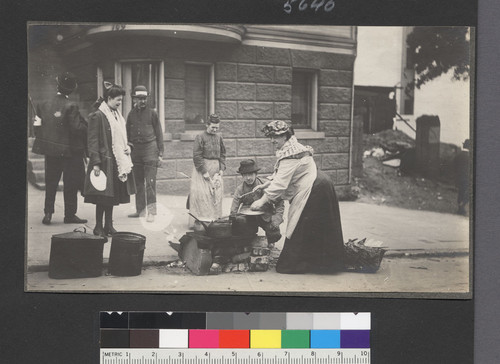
point(234, 339)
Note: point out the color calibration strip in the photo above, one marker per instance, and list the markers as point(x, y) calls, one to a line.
point(182, 330)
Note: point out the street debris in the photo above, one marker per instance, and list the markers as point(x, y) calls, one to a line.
point(362, 258)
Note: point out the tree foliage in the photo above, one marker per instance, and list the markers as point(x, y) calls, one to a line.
point(436, 50)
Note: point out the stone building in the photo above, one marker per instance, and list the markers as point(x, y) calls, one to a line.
point(248, 74)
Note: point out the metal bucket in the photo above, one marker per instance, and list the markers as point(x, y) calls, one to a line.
point(127, 253)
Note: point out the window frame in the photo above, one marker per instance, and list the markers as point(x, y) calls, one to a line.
point(210, 96)
point(312, 98)
point(160, 98)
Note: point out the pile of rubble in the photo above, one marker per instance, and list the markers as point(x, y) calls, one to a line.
point(252, 258)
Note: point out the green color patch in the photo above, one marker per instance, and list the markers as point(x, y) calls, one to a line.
point(295, 338)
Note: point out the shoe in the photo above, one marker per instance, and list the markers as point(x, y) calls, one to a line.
point(47, 218)
point(150, 218)
point(74, 220)
point(109, 230)
point(135, 214)
point(99, 231)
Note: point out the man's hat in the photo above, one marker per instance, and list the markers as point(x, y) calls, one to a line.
point(248, 166)
point(140, 91)
point(66, 82)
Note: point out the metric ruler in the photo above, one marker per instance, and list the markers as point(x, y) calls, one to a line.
point(235, 356)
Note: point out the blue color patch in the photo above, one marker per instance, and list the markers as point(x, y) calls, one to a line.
point(325, 339)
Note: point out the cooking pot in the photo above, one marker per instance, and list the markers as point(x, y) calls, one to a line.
point(220, 228)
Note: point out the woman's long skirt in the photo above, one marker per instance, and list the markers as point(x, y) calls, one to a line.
point(317, 244)
point(205, 199)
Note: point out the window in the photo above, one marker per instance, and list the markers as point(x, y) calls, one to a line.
point(304, 99)
point(199, 95)
point(139, 72)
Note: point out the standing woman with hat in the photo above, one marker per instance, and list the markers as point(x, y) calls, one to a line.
point(109, 180)
point(314, 241)
point(209, 158)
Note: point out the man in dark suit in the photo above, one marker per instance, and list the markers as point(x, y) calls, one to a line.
point(61, 134)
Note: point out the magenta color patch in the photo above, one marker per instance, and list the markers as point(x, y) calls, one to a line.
point(204, 339)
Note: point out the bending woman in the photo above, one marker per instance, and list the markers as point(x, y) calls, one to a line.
point(314, 241)
point(109, 153)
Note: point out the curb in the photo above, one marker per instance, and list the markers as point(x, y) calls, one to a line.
point(416, 253)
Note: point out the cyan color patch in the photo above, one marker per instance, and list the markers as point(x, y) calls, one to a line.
point(325, 339)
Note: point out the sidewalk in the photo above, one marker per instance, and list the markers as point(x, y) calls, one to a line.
point(403, 232)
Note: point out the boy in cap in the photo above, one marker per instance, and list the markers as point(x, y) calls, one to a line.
point(245, 195)
point(145, 134)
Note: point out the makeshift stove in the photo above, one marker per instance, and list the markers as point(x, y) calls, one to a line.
point(204, 254)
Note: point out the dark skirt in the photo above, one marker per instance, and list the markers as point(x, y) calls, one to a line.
point(120, 192)
point(317, 244)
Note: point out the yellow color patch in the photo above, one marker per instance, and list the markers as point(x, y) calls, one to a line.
point(265, 339)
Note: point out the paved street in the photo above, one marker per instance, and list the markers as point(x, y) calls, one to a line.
point(427, 252)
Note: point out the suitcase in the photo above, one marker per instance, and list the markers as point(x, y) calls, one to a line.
point(76, 255)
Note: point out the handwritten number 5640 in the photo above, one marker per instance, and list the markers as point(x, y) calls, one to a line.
point(304, 4)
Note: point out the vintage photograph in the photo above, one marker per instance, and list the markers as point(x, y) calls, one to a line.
point(250, 159)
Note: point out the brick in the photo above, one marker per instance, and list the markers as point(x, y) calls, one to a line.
point(242, 54)
point(230, 145)
point(318, 159)
point(340, 95)
point(342, 145)
point(333, 175)
point(337, 61)
point(266, 164)
point(282, 111)
point(259, 259)
point(335, 128)
point(166, 170)
point(178, 149)
point(183, 166)
point(174, 68)
point(329, 145)
point(255, 110)
point(274, 92)
point(175, 127)
point(259, 251)
point(335, 161)
point(251, 147)
point(283, 75)
point(335, 78)
point(226, 109)
point(174, 89)
point(173, 187)
point(306, 59)
point(174, 109)
point(334, 111)
point(252, 73)
point(238, 128)
point(342, 176)
point(276, 56)
point(226, 71)
point(234, 91)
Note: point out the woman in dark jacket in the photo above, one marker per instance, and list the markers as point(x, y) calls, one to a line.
point(109, 153)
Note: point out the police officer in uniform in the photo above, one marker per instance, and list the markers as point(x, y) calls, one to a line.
point(61, 137)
